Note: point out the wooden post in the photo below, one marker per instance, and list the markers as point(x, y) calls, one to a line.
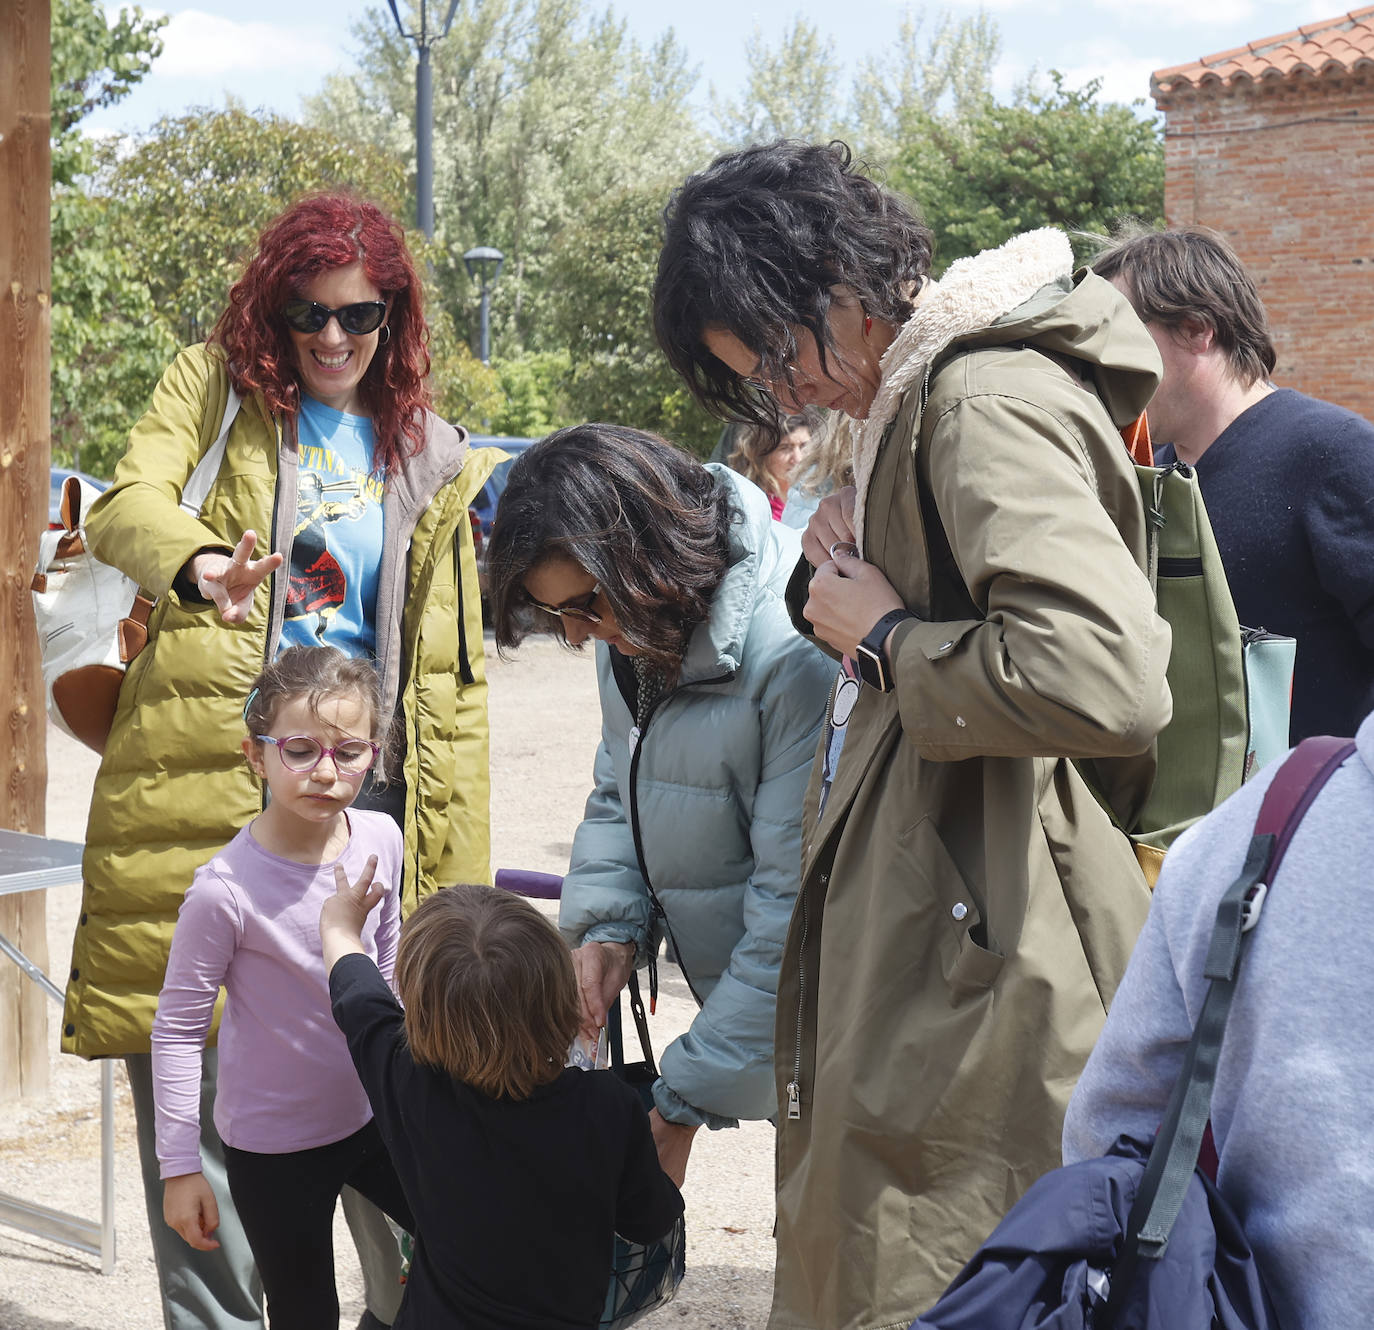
point(25, 401)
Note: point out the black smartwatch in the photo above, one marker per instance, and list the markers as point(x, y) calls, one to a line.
point(871, 657)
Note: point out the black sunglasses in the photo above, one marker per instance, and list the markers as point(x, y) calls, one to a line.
point(306, 316)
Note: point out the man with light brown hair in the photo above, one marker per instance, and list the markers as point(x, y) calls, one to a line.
point(1288, 480)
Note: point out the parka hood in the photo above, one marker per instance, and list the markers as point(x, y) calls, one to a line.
point(1085, 318)
point(1024, 292)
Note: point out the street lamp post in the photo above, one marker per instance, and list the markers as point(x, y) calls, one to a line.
point(424, 109)
point(476, 261)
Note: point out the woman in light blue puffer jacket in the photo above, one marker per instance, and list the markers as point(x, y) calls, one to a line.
point(711, 707)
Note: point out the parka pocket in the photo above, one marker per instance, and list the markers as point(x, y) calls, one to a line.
point(969, 966)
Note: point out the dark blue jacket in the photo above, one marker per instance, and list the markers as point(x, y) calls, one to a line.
point(1047, 1264)
point(1289, 488)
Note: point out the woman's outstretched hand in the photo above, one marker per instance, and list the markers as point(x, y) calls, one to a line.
point(230, 580)
point(603, 969)
point(343, 914)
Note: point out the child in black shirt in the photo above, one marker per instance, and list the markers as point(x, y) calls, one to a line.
point(518, 1170)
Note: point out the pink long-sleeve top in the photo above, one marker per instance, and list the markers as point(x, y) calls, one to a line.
point(250, 922)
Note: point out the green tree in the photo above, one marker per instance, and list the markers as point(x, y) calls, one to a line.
point(534, 389)
point(1055, 158)
point(466, 391)
point(947, 74)
point(610, 257)
point(95, 63)
point(795, 87)
point(540, 110)
point(108, 341)
point(790, 91)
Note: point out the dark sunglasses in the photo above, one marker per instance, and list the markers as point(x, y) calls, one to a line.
point(306, 316)
point(583, 612)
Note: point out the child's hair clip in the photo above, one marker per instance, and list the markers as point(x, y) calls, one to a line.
point(248, 702)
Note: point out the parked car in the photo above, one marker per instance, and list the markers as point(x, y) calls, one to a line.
point(57, 477)
point(482, 510)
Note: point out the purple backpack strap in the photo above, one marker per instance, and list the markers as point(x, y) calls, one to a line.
point(1298, 782)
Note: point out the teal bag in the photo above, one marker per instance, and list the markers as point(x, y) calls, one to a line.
point(1269, 661)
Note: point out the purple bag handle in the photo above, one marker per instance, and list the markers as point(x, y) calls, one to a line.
point(525, 882)
point(1290, 794)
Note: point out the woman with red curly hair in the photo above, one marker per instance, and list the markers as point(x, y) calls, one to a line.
point(335, 464)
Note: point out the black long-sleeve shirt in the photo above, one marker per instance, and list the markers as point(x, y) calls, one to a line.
point(516, 1202)
point(1289, 489)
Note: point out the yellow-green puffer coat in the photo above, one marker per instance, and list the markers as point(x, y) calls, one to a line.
point(173, 786)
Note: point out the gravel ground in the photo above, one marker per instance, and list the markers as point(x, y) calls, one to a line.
point(544, 720)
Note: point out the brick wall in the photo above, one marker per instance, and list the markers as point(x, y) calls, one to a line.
point(1285, 169)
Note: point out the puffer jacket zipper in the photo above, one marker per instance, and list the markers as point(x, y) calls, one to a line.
point(637, 733)
point(281, 573)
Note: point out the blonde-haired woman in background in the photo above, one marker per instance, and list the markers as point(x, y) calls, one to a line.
point(770, 457)
point(827, 465)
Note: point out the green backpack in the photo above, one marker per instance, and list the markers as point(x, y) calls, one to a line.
point(1231, 686)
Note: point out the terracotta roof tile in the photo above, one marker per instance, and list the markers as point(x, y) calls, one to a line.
point(1336, 45)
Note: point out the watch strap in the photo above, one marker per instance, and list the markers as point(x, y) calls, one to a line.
point(872, 657)
point(877, 635)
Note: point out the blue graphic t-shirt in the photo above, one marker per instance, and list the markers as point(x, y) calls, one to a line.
point(331, 597)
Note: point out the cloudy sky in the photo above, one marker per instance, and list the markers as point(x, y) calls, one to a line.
point(272, 54)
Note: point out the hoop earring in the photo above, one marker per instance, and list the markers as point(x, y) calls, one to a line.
point(385, 335)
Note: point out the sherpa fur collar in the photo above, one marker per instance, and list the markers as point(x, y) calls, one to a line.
point(974, 293)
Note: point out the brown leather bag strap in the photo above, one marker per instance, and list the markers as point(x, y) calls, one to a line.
point(132, 632)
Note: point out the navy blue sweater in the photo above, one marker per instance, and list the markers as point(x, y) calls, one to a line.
point(1289, 488)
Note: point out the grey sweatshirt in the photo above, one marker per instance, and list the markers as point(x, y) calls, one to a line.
point(1293, 1109)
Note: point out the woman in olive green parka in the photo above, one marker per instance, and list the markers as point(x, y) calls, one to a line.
point(337, 468)
point(967, 907)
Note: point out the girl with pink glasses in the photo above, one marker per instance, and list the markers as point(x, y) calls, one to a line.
point(293, 1116)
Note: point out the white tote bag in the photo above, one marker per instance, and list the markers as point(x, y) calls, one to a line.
point(92, 620)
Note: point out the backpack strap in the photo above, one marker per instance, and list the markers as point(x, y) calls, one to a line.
point(197, 487)
point(1174, 1154)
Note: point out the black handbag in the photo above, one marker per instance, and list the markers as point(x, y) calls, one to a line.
point(644, 1276)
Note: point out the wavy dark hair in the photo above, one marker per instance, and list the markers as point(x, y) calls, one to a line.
point(754, 245)
point(314, 235)
point(1191, 272)
point(642, 516)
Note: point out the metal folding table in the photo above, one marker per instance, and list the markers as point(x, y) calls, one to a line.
point(35, 863)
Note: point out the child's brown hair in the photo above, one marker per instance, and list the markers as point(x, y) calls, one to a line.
point(489, 990)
